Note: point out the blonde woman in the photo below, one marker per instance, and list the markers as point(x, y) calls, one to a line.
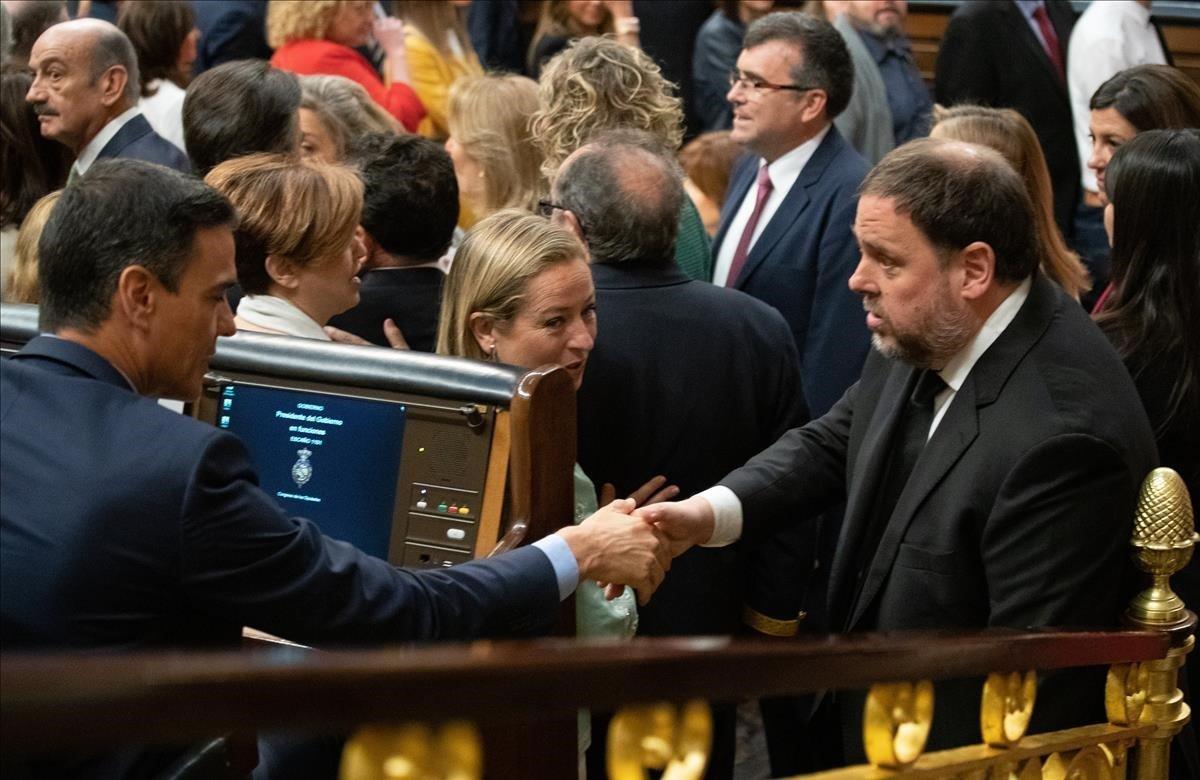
point(1006, 131)
point(315, 37)
point(439, 53)
point(298, 256)
point(22, 283)
point(496, 162)
point(598, 84)
point(563, 21)
point(333, 111)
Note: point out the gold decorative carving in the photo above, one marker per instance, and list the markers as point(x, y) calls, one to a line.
point(896, 722)
point(1007, 707)
point(1125, 693)
point(1094, 762)
point(660, 736)
point(413, 752)
point(1163, 539)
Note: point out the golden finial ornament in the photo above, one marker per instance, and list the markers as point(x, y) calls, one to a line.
point(660, 736)
point(896, 723)
point(413, 752)
point(1163, 539)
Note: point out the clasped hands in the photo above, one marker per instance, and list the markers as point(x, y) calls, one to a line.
point(631, 541)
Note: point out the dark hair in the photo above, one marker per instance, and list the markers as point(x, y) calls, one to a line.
point(239, 108)
point(111, 48)
point(91, 238)
point(30, 165)
point(1153, 316)
point(29, 21)
point(958, 193)
point(824, 59)
point(626, 190)
point(410, 203)
point(1151, 97)
point(157, 29)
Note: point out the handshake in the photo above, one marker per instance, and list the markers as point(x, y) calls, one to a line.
point(623, 544)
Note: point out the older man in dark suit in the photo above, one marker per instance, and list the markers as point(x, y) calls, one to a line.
point(991, 454)
point(85, 93)
point(785, 230)
point(716, 380)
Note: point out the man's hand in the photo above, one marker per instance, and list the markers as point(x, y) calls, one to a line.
point(613, 547)
point(684, 523)
point(650, 493)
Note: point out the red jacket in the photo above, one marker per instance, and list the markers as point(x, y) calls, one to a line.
point(325, 58)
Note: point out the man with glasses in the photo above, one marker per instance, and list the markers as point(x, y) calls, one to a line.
point(785, 231)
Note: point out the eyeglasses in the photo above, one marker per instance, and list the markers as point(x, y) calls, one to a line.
point(758, 86)
point(547, 208)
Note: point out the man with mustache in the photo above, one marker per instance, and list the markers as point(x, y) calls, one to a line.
point(990, 455)
point(85, 92)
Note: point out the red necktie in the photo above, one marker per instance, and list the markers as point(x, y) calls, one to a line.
point(1051, 39)
point(743, 245)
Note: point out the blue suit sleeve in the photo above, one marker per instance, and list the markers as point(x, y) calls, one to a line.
point(243, 558)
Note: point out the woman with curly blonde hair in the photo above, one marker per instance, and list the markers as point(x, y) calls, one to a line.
point(1013, 137)
point(598, 84)
point(318, 37)
point(496, 162)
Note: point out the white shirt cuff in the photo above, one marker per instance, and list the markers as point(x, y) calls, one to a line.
point(727, 515)
point(566, 568)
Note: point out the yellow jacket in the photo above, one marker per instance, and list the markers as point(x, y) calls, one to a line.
point(432, 75)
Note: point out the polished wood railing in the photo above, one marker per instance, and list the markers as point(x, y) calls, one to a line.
point(419, 712)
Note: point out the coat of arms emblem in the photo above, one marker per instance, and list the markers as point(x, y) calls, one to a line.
point(302, 470)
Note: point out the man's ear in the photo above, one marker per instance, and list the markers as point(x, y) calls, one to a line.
point(978, 269)
point(112, 84)
point(565, 218)
point(483, 328)
point(369, 243)
point(814, 105)
point(282, 272)
point(138, 296)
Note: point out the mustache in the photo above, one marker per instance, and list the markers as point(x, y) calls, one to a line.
point(43, 109)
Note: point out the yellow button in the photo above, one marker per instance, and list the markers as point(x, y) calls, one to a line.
point(464, 510)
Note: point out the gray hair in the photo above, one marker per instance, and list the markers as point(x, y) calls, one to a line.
point(113, 47)
point(346, 109)
point(626, 190)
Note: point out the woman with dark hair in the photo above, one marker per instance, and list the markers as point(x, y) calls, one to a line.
point(1145, 97)
point(30, 166)
point(1152, 315)
point(164, 35)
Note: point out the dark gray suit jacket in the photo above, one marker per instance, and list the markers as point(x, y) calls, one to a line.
point(138, 141)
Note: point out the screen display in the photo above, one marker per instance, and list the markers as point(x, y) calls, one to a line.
point(332, 459)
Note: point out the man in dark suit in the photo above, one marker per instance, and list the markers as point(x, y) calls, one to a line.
point(991, 453)
point(785, 229)
point(718, 380)
point(85, 93)
point(126, 525)
point(410, 208)
point(230, 30)
point(1012, 54)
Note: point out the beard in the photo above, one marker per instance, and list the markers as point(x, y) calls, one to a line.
point(940, 335)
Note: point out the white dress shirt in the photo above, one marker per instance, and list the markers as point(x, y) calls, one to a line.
point(101, 139)
point(727, 507)
point(1108, 38)
point(783, 174)
point(164, 111)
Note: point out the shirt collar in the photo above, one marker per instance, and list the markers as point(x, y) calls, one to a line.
point(1028, 7)
point(959, 366)
point(101, 139)
point(881, 46)
point(785, 170)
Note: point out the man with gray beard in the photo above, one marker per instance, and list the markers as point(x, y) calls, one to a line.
point(990, 455)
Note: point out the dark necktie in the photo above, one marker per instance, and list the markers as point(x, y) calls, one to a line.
point(908, 441)
point(1051, 40)
point(743, 245)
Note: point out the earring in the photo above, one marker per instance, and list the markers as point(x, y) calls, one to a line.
point(492, 356)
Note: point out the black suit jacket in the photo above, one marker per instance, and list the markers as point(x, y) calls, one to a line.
point(126, 525)
point(412, 297)
point(137, 140)
point(696, 378)
point(1018, 512)
point(802, 262)
point(989, 55)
